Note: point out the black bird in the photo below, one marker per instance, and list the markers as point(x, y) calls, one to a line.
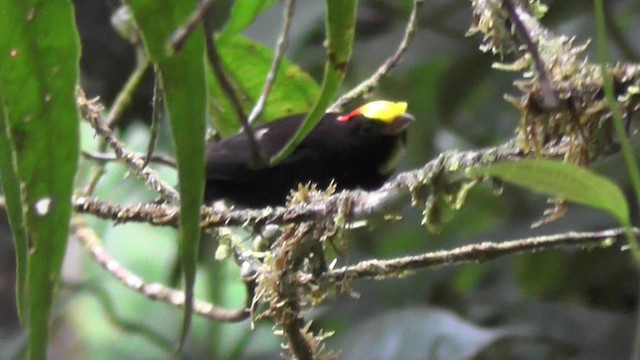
point(359, 149)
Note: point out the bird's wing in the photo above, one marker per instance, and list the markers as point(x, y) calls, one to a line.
point(229, 159)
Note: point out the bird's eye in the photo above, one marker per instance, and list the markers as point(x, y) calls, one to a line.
point(367, 128)
point(359, 130)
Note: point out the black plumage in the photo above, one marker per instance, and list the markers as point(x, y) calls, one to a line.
point(358, 152)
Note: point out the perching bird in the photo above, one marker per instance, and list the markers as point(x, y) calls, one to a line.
point(359, 149)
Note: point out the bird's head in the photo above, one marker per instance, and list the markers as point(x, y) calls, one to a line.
point(392, 114)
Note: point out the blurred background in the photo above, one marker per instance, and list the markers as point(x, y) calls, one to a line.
point(557, 304)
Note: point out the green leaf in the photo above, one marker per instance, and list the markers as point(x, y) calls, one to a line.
point(247, 64)
point(570, 182)
point(182, 76)
point(340, 25)
point(11, 189)
point(38, 73)
point(243, 14)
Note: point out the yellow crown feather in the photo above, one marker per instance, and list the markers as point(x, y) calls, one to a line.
point(385, 111)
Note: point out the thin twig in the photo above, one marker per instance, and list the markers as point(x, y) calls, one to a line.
point(90, 111)
point(156, 116)
point(281, 47)
point(118, 108)
point(257, 158)
point(125, 96)
point(180, 36)
point(370, 83)
point(105, 157)
point(550, 98)
point(154, 291)
point(375, 269)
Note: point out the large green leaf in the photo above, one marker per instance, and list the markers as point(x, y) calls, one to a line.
point(340, 25)
point(182, 76)
point(243, 13)
point(38, 74)
point(570, 182)
point(11, 189)
point(247, 64)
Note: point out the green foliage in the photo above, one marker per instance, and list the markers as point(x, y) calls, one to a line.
point(11, 187)
point(610, 96)
point(570, 182)
point(38, 73)
point(247, 63)
point(340, 25)
point(181, 74)
point(243, 13)
point(456, 103)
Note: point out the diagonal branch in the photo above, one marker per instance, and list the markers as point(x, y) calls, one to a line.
point(370, 83)
point(257, 157)
point(281, 46)
point(180, 36)
point(90, 111)
point(118, 108)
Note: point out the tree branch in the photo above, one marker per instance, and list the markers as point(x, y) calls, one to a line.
point(155, 291)
point(370, 83)
point(118, 108)
point(257, 157)
point(180, 36)
point(90, 111)
point(376, 269)
point(357, 203)
point(281, 46)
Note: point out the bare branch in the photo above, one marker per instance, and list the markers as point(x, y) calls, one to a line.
point(180, 36)
point(281, 46)
point(154, 291)
point(370, 83)
point(104, 157)
point(125, 96)
point(257, 158)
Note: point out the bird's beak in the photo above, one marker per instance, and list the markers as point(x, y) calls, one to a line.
point(399, 124)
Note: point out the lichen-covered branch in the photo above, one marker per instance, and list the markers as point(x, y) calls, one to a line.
point(550, 63)
point(382, 269)
point(410, 185)
point(117, 110)
point(90, 111)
